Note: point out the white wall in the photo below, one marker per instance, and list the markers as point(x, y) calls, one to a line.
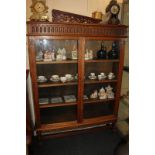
point(83, 7)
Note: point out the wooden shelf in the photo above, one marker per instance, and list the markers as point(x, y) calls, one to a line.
point(75, 124)
point(101, 81)
point(57, 62)
point(48, 105)
point(106, 60)
point(55, 84)
point(97, 101)
point(57, 104)
point(74, 61)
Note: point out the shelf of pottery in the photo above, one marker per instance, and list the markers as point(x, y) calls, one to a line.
point(57, 71)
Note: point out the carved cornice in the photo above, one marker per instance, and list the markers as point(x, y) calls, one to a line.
point(52, 29)
point(67, 17)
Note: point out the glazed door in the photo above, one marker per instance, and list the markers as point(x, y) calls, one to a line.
point(57, 79)
point(100, 78)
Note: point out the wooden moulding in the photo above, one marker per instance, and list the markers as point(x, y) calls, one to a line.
point(79, 30)
point(57, 127)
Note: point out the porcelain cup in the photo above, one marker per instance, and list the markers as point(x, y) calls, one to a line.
point(92, 74)
point(100, 77)
point(111, 75)
point(68, 76)
point(102, 74)
point(63, 79)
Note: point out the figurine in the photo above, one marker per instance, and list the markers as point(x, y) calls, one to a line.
point(64, 54)
point(90, 55)
point(61, 54)
point(39, 56)
point(94, 95)
point(111, 76)
point(74, 53)
point(102, 94)
point(53, 53)
point(47, 56)
point(110, 93)
point(87, 55)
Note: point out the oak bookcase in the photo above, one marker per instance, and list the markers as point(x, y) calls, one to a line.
point(54, 118)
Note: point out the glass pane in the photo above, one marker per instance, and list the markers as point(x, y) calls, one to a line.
point(57, 69)
point(98, 110)
point(101, 48)
point(57, 114)
point(56, 50)
point(101, 70)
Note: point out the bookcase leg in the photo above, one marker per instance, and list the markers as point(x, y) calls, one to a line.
point(113, 126)
point(39, 138)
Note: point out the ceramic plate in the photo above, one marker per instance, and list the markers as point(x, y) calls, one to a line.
point(70, 98)
point(43, 101)
point(56, 100)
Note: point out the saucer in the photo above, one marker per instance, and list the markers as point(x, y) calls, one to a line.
point(110, 78)
point(54, 80)
point(103, 77)
point(42, 81)
point(70, 79)
point(92, 77)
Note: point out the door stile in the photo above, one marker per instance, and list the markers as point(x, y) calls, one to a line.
point(81, 78)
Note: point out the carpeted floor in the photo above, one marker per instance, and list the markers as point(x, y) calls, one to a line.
point(94, 143)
